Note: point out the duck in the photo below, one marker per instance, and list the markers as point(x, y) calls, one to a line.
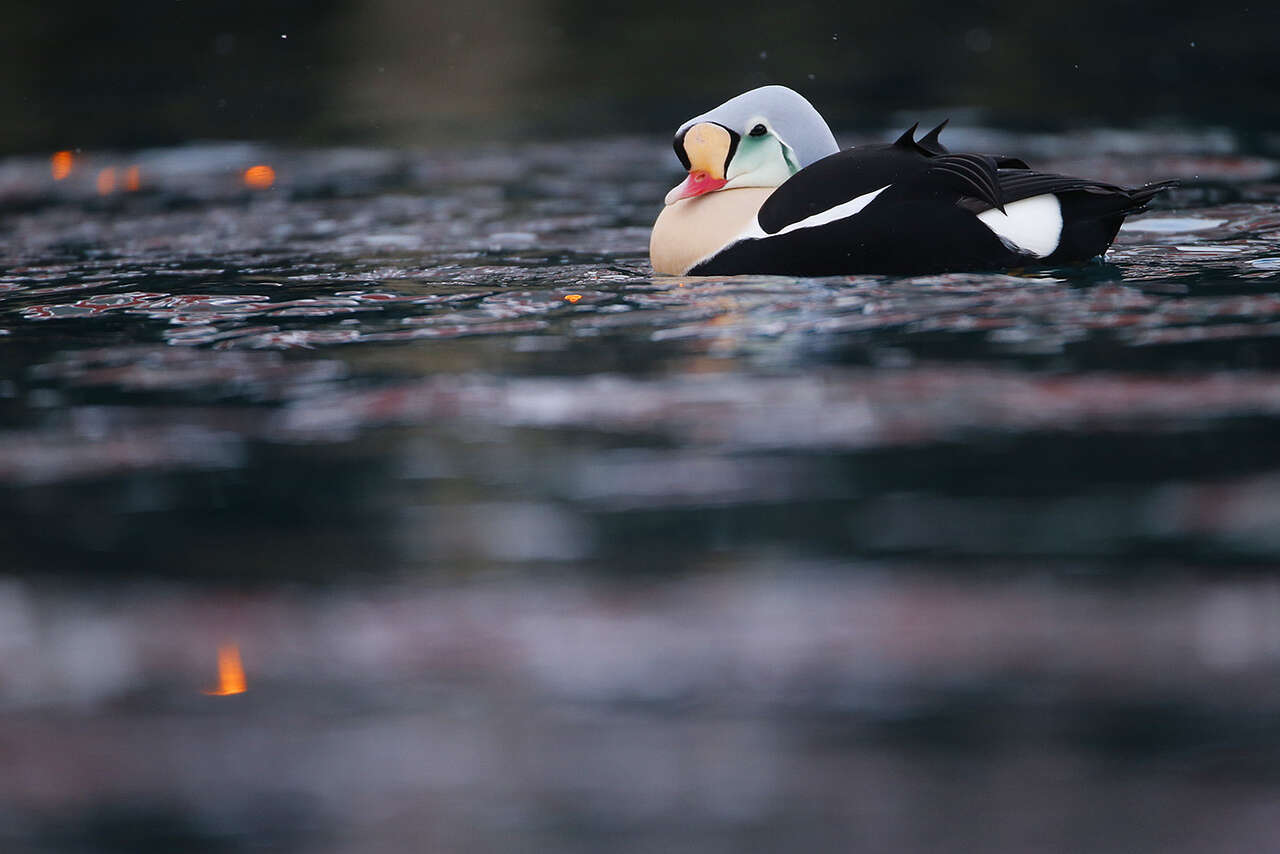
point(770, 192)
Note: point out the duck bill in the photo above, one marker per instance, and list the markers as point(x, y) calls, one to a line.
point(698, 182)
point(706, 148)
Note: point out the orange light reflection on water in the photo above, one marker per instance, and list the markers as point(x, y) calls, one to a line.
point(259, 177)
point(230, 672)
point(60, 164)
point(107, 181)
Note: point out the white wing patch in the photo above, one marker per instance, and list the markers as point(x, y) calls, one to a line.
point(840, 211)
point(1033, 225)
point(844, 210)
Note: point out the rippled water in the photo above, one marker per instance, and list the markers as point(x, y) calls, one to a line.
point(537, 546)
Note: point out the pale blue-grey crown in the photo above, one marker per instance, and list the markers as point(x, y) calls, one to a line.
point(791, 117)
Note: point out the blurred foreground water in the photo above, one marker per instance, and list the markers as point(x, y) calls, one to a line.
point(522, 547)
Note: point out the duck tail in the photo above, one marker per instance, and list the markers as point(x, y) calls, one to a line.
point(1143, 195)
point(1092, 218)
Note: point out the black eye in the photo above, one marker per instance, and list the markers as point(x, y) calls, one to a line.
point(759, 130)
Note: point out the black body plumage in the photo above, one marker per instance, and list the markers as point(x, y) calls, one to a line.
point(925, 219)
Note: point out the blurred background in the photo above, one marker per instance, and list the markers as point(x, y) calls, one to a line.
point(362, 490)
point(165, 71)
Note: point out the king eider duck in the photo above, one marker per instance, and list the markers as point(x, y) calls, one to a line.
point(770, 192)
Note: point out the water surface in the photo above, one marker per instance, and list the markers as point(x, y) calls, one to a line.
point(523, 543)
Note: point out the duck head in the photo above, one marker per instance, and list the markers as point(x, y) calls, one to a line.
point(758, 139)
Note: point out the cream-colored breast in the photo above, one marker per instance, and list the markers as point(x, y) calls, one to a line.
point(691, 229)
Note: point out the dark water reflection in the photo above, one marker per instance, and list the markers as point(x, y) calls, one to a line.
point(540, 547)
